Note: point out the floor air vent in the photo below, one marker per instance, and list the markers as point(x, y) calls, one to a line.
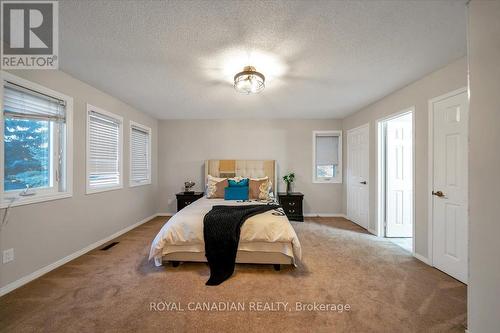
point(110, 245)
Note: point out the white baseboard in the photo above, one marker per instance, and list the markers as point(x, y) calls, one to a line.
point(44, 270)
point(324, 215)
point(423, 259)
point(165, 214)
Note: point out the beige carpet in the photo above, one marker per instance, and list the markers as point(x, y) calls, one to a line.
point(111, 291)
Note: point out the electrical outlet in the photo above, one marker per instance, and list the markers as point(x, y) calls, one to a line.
point(8, 255)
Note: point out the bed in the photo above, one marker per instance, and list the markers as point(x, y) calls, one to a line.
point(266, 238)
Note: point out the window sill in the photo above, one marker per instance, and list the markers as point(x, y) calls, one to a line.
point(103, 189)
point(20, 201)
point(333, 181)
point(136, 184)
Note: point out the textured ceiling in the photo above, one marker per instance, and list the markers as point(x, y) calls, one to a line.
point(322, 59)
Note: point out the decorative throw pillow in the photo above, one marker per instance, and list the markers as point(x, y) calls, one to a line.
point(259, 188)
point(219, 189)
point(215, 187)
point(235, 183)
point(236, 193)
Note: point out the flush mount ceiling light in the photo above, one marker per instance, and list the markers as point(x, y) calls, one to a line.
point(249, 81)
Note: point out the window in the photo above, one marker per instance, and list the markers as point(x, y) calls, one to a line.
point(140, 154)
point(36, 143)
point(104, 150)
point(327, 156)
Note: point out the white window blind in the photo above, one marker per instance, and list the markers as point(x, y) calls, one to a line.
point(139, 155)
point(22, 102)
point(104, 151)
point(327, 150)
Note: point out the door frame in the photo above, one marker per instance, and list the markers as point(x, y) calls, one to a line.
point(367, 125)
point(430, 170)
point(380, 225)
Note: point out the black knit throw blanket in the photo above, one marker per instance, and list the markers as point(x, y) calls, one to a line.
point(221, 231)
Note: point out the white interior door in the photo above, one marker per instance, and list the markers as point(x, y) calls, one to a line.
point(399, 177)
point(449, 201)
point(357, 175)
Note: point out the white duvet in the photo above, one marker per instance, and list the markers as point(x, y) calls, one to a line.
point(263, 232)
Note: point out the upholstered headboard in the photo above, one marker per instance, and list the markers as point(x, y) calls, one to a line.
point(242, 168)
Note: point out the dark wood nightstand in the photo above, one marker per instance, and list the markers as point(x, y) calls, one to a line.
point(292, 205)
point(184, 199)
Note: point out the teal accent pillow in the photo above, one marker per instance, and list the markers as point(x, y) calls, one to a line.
point(236, 193)
point(241, 183)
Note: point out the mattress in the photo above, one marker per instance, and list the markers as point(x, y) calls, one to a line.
point(266, 233)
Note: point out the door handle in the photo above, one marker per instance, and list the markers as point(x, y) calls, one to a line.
point(438, 194)
point(363, 182)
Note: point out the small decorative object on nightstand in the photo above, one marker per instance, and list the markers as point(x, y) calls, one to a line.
point(292, 205)
point(184, 199)
point(188, 187)
point(288, 179)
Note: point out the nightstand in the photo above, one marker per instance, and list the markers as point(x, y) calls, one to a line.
point(292, 205)
point(184, 199)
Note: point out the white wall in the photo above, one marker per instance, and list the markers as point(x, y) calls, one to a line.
point(484, 165)
point(45, 232)
point(184, 145)
point(417, 94)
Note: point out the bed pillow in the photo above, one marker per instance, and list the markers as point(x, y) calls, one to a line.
point(235, 183)
point(259, 188)
point(219, 189)
point(236, 193)
point(215, 187)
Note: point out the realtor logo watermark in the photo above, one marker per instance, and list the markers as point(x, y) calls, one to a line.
point(29, 35)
